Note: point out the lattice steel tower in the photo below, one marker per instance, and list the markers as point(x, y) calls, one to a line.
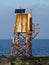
point(22, 36)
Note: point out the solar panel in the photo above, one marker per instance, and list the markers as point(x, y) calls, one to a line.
point(19, 10)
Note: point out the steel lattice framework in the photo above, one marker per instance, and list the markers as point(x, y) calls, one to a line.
point(22, 36)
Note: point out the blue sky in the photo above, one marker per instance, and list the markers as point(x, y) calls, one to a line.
point(23, 2)
point(40, 10)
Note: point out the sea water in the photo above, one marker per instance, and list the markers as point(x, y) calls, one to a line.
point(40, 47)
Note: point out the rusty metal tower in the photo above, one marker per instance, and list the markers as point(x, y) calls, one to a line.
point(22, 36)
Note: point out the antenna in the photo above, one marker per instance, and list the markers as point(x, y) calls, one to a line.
point(29, 10)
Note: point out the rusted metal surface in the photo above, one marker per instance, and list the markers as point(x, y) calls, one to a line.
point(23, 23)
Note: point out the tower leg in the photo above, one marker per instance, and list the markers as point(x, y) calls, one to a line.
point(28, 44)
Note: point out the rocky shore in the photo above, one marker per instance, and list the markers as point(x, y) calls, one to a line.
point(23, 60)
